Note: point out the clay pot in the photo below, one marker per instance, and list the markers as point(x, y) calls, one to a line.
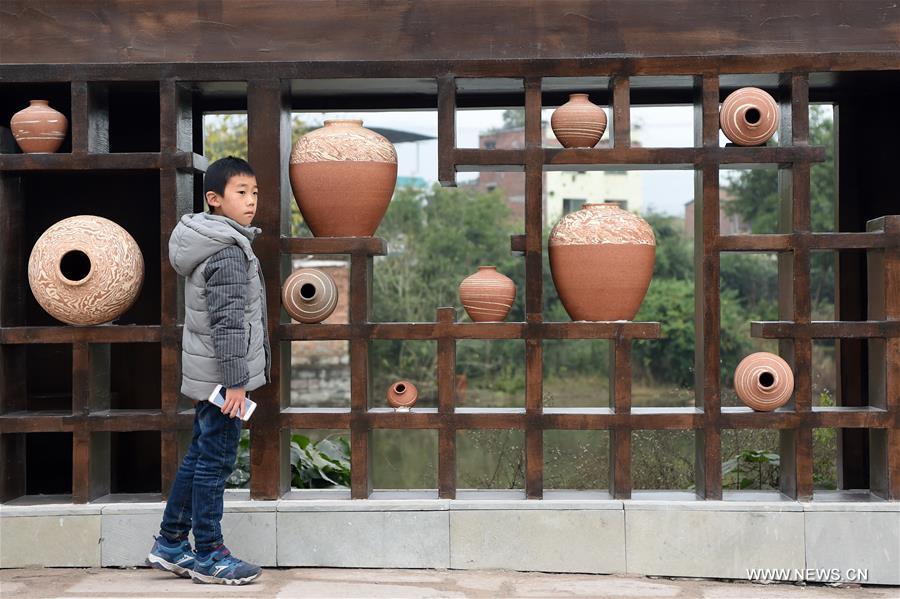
point(343, 177)
point(85, 270)
point(601, 259)
point(749, 116)
point(39, 129)
point(487, 295)
point(309, 295)
point(578, 123)
point(764, 381)
point(402, 394)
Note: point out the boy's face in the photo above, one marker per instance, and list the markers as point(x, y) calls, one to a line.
point(239, 201)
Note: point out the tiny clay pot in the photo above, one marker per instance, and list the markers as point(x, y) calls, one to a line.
point(402, 394)
point(579, 123)
point(749, 116)
point(487, 295)
point(309, 295)
point(764, 381)
point(39, 129)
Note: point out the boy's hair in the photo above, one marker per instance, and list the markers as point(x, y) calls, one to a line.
point(219, 172)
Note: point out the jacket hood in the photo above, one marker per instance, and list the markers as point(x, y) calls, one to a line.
point(198, 236)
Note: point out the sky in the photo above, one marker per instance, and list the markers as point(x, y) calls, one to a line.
point(664, 191)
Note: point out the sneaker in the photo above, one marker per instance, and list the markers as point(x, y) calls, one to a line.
point(220, 567)
point(177, 558)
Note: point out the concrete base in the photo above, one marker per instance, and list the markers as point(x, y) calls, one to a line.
point(822, 542)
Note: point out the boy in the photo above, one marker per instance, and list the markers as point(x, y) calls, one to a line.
point(225, 341)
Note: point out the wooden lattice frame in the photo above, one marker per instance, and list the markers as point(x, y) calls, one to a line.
point(268, 103)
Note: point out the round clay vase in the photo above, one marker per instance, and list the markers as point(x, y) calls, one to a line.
point(343, 176)
point(764, 381)
point(601, 259)
point(487, 295)
point(309, 295)
point(39, 129)
point(86, 270)
point(402, 394)
point(578, 123)
point(749, 116)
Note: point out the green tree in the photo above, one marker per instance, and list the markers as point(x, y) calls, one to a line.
point(757, 202)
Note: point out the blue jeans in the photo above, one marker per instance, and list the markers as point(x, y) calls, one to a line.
point(196, 499)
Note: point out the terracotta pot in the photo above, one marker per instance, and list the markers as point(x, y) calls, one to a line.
point(86, 270)
point(749, 116)
point(578, 123)
point(343, 177)
point(39, 129)
point(487, 295)
point(309, 295)
point(601, 259)
point(402, 394)
point(764, 381)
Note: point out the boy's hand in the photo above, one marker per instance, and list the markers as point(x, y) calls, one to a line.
point(234, 401)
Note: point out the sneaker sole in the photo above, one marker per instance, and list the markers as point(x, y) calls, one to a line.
point(207, 579)
point(159, 563)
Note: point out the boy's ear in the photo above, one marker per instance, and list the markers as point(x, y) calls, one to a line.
point(213, 199)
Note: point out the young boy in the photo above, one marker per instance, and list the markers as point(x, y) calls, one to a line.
point(225, 342)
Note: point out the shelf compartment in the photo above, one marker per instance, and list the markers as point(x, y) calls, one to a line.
point(473, 330)
point(369, 246)
point(131, 161)
point(82, 334)
point(825, 329)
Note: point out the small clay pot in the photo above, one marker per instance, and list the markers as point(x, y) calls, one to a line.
point(39, 129)
point(749, 116)
point(402, 394)
point(764, 381)
point(579, 123)
point(487, 295)
point(86, 270)
point(309, 295)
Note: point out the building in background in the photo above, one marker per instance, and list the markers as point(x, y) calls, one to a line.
point(729, 224)
point(562, 191)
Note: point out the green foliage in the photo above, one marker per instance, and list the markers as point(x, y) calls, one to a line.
point(751, 469)
point(671, 359)
point(322, 464)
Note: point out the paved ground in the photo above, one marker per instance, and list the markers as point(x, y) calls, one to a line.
point(347, 583)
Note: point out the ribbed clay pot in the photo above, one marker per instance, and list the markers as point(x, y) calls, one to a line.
point(343, 176)
point(402, 394)
point(764, 381)
point(578, 123)
point(309, 295)
point(749, 116)
point(85, 270)
point(487, 295)
point(39, 129)
point(601, 259)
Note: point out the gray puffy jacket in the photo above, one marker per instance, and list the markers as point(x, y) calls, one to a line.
point(225, 340)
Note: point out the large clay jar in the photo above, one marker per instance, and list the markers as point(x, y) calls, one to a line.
point(578, 123)
point(309, 295)
point(749, 116)
point(343, 177)
point(487, 295)
point(402, 395)
point(86, 270)
point(39, 129)
point(764, 381)
point(601, 259)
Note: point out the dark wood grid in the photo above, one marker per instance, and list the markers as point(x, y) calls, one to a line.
point(269, 100)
